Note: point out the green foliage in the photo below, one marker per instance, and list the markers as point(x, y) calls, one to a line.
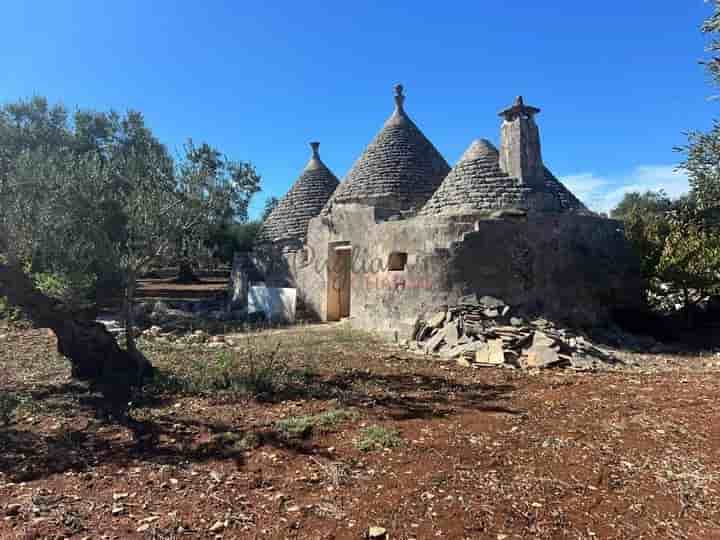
point(262, 374)
point(239, 442)
point(228, 239)
point(691, 256)
point(679, 241)
point(246, 234)
point(377, 438)
point(678, 245)
point(220, 191)
point(8, 312)
point(648, 203)
point(265, 375)
point(75, 291)
point(647, 226)
point(270, 205)
point(711, 26)
point(8, 404)
point(303, 426)
point(702, 151)
point(702, 164)
point(100, 196)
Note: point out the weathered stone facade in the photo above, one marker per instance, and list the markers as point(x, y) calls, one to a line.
point(572, 268)
point(403, 236)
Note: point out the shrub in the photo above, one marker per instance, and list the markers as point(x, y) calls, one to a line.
point(8, 312)
point(302, 426)
point(8, 404)
point(260, 373)
point(74, 290)
point(378, 437)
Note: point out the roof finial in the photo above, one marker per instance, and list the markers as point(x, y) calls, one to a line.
point(315, 149)
point(399, 97)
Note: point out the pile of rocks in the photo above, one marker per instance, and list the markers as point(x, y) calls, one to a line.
point(197, 337)
point(483, 332)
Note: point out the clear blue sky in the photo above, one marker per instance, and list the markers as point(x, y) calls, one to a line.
point(618, 81)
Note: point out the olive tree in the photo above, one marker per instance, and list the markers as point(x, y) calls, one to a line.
point(99, 192)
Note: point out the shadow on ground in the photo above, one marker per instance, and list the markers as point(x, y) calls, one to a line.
point(171, 437)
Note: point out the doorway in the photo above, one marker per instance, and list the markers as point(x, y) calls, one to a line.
point(339, 282)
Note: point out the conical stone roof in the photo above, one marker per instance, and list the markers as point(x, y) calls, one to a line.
point(477, 184)
point(289, 220)
point(400, 169)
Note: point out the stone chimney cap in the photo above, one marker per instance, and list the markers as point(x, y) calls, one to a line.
point(518, 109)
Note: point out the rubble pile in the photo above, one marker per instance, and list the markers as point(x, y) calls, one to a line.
point(483, 332)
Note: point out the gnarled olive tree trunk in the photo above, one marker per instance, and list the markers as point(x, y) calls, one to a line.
point(92, 351)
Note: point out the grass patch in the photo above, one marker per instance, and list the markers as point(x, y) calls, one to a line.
point(229, 443)
point(378, 438)
point(268, 366)
point(303, 426)
point(263, 374)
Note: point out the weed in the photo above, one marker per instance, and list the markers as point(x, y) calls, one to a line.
point(378, 437)
point(8, 404)
point(167, 382)
point(259, 372)
point(302, 426)
point(8, 312)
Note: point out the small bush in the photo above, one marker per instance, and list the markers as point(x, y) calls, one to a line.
point(260, 373)
point(74, 290)
point(229, 444)
point(302, 426)
point(377, 438)
point(8, 404)
point(8, 312)
point(166, 382)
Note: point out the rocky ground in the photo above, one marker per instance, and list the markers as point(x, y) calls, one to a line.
point(349, 434)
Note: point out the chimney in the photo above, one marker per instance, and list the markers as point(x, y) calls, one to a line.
point(520, 143)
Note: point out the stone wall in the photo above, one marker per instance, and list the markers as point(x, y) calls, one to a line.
point(573, 268)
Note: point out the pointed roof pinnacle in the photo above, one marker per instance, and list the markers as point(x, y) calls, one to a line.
point(315, 161)
point(398, 117)
point(307, 196)
point(518, 109)
point(400, 168)
point(479, 149)
point(399, 97)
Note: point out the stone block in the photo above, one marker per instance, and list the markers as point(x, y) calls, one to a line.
point(492, 354)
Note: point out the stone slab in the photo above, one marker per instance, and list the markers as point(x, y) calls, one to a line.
point(541, 356)
point(492, 354)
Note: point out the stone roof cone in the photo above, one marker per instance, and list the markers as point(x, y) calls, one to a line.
point(477, 183)
point(307, 196)
point(399, 170)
